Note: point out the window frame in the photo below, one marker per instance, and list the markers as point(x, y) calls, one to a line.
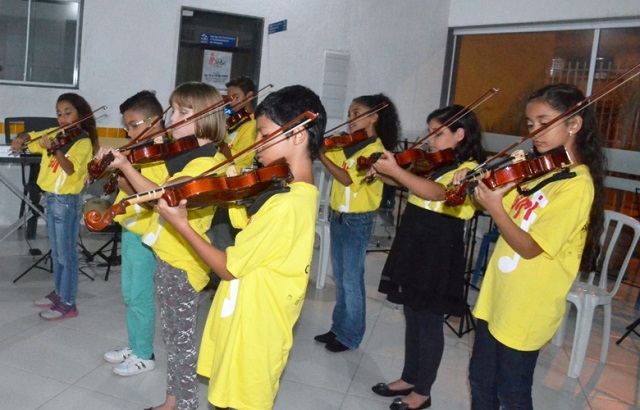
point(76, 57)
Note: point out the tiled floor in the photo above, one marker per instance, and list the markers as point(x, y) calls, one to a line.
point(59, 365)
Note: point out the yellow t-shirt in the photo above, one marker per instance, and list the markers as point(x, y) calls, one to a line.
point(51, 177)
point(465, 211)
point(136, 218)
point(248, 334)
point(524, 300)
point(360, 196)
point(169, 245)
point(241, 138)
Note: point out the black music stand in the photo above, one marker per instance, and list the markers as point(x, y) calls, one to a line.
point(631, 328)
point(109, 260)
point(36, 265)
point(31, 188)
point(467, 323)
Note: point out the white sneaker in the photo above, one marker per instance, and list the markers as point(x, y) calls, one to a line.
point(118, 356)
point(134, 365)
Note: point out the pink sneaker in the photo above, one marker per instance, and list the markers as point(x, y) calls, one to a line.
point(48, 301)
point(59, 311)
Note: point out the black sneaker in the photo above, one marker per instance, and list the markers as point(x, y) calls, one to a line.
point(326, 337)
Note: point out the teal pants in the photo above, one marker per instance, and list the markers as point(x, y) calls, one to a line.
point(138, 270)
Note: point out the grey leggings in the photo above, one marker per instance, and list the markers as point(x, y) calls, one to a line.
point(178, 303)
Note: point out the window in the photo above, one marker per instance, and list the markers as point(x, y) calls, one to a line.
point(40, 42)
point(518, 63)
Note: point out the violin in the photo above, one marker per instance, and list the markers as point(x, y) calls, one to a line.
point(416, 160)
point(202, 191)
point(344, 140)
point(213, 189)
point(517, 172)
point(237, 118)
point(64, 138)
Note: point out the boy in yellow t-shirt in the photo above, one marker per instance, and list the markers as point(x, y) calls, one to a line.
point(180, 273)
point(249, 331)
point(142, 115)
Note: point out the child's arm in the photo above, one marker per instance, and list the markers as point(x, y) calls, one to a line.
point(338, 173)
point(519, 240)
point(65, 163)
point(422, 187)
point(212, 256)
point(138, 182)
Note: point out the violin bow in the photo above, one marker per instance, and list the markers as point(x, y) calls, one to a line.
point(622, 79)
point(357, 117)
point(185, 121)
point(156, 193)
point(64, 128)
point(466, 110)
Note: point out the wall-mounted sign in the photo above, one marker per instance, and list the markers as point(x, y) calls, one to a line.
point(278, 26)
point(218, 40)
point(216, 69)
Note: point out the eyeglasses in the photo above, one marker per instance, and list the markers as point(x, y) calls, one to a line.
point(131, 127)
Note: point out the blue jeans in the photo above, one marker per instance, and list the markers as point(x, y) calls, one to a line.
point(350, 233)
point(63, 225)
point(499, 375)
point(138, 270)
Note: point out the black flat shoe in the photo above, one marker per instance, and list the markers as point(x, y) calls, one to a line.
point(382, 389)
point(335, 346)
point(326, 337)
point(398, 404)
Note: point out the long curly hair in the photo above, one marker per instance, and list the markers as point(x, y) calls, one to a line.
point(471, 145)
point(388, 125)
point(562, 97)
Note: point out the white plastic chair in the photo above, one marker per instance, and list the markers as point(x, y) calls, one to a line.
point(586, 296)
point(322, 179)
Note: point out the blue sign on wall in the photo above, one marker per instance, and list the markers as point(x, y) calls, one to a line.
point(218, 40)
point(278, 26)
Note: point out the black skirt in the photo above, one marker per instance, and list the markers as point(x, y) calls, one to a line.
point(425, 267)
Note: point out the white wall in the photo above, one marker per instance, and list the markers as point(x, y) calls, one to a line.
point(128, 45)
point(489, 12)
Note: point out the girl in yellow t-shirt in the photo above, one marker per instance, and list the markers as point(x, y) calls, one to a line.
point(249, 330)
point(425, 268)
point(544, 225)
point(353, 205)
point(180, 273)
point(62, 174)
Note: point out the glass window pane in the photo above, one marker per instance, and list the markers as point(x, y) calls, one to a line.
point(52, 42)
point(619, 112)
point(517, 64)
point(13, 30)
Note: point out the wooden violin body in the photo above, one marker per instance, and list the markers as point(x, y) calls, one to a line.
point(415, 160)
point(237, 118)
point(343, 141)
point(144, 154)
point(202, 191)
point(63, 138)
point(517, 172)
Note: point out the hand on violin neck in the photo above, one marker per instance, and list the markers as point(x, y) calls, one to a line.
point(176, 215)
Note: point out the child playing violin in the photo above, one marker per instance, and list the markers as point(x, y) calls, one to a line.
point(353, 205)
point(549, 229)
point(249, 330)
point(241, 133)
point(141, 113)
point(62, 174)
point(180, 273)
point(241, 125)
point(425, 268)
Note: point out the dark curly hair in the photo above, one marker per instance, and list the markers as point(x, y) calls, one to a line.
point(588, 144)
point(471, 145)
point(388, 125)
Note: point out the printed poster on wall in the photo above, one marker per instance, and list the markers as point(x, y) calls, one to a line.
point(216, 69)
